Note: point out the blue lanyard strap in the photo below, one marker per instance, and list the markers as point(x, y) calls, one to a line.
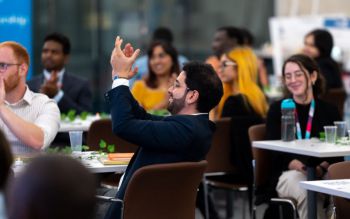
point(309, 122)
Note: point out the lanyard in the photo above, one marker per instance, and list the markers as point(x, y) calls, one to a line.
point(309, 122)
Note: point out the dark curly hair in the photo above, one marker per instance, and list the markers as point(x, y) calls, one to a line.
point(203, 78)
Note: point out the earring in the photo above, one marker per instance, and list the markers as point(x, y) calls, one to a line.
point(313, 82)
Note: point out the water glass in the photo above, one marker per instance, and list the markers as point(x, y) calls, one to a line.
point(330, 134)
point(341, 128)
point(76, 140)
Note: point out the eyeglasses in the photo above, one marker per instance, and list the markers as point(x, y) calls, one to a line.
point(177, 85)
point(224, 64)
point(4, 66)
point(298, 74)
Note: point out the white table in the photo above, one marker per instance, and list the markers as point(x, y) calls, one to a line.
point(338, 187)
point(93, 164)
point(313, 148)
point(77, 124)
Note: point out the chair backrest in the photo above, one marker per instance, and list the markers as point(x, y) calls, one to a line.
point(164, 191)
point(340, 171)
point(261, 156)
point(218, 156)
point(102, 129)
point(336, 96)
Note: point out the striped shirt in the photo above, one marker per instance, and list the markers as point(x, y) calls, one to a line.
point(41, 111)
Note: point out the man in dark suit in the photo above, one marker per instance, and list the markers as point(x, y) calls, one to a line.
point(184, 136)
point(69, 91)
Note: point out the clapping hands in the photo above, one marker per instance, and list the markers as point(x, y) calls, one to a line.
point(122, 60)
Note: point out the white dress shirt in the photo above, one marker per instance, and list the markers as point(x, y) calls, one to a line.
point(41, 111)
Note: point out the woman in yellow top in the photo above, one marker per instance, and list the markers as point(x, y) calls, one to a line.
point(151, 92)
point(242, 96)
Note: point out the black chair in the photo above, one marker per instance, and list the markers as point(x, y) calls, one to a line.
point(262, 166)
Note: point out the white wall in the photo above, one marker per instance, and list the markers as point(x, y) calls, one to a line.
point(307, 7)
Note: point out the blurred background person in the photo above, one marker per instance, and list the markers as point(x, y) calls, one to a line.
point(69, 91)
point(318, 44)
point(244, 97)
point(225, 39)
point(263, 80)
point(238, 72)
point(52, 187)
point(6, 160)
point(160, 34)
point(163, 68)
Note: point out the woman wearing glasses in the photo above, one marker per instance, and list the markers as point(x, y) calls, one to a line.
point(303, 83)
point(242, 96)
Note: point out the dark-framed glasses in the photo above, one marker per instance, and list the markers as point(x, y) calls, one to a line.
point(4, 66)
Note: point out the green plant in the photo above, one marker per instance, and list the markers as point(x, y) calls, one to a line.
point(322, 136)
point(71, 115)
point(104, 115)
point(83, 115)
point(63, 116)
point(104, 147)
point(85, 148)
point(59, 150)
point(162, 112)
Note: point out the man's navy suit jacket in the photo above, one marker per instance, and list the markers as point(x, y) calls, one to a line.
point(77, 93)
point(161, 139)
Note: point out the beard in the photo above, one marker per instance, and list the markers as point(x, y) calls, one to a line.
point(11, 83)
point(177, 105)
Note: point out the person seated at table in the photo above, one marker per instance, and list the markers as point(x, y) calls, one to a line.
point(55, 187)
point(242, 97)
point(29, 120)
point(184, 136)
point(303, 83)
point(6, 160)
point(163, 68)
point(318, 44)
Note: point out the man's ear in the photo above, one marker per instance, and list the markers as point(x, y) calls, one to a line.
point(192, 96)
point(23, 69)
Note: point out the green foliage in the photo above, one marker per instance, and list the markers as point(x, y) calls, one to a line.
point(322, 136)
point(104, 115)
point(162, 112)
point(71, 115)
point(83, 115)
point(85, 148)
point(111, 148)
point(59, 150)
point(104, 147)
point(63, 116)
point(103, 144)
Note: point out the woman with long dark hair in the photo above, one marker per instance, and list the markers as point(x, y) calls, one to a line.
point(318, 44)
point(303, 83)
point(151, 92)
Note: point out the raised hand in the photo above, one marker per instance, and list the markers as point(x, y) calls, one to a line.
point(122, 60)
point(51, 87)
